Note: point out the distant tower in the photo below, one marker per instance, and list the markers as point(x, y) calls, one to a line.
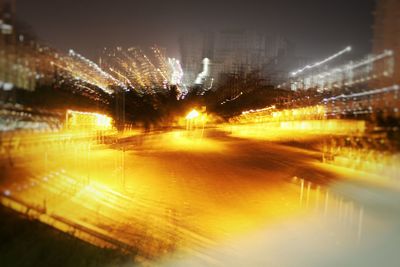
point(8, 18)
point(7, 50)
point(8, 11)
point(387, 35)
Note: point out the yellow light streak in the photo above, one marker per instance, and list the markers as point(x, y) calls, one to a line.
point(80, 120)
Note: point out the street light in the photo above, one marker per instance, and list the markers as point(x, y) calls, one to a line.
point(192, 114)
point(190, 117)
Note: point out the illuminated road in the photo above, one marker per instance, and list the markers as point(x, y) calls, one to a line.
point(183, 200)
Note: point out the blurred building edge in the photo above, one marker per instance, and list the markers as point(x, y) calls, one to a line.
point(19, 64)
point(237, 52)
point(25, 64)
point(386, 32)
point(7, 17)
point(7, 42)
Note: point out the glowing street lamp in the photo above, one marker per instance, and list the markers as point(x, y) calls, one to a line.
point(190, 118)
point(192, 114)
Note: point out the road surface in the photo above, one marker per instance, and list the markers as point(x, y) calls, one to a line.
point(188, 199)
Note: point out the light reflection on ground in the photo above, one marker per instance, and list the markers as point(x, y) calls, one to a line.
point(190, 198)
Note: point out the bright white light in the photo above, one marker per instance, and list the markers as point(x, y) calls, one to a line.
point(177, 72)
point(7, 86)
point(204, 73)
point(192, 114)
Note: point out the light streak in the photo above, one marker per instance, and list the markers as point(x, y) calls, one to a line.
point(211, 84)
point(346, 75)
point(351, 66)
point(371, 92)
point(258, 110)
point(231, 99)
point(122, 76)
point(97, 69)
point(347, 49)
point(140, 71)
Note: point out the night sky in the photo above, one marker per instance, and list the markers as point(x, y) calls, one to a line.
point(317, 27)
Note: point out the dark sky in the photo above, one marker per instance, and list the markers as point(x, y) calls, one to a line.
point(317, 27)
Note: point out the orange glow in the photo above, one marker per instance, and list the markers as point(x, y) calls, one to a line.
point(271, 114)
point(95, 189)
point(290, 124)
point(87, 120)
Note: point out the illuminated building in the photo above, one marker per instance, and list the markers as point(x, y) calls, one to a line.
point(7, 20)
point(87, 121)
point(387, 37)
point(373, 83)
point(193, 48)
point(353, 74)
point(24, 64)
point(7, 46)
point(364, 104)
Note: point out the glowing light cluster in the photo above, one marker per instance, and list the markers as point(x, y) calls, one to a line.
point(22, 65)
point(79, 120)
point(270, 114)
point(140, 71)
point(366, 102)
point(15, 117)
point(367, 153)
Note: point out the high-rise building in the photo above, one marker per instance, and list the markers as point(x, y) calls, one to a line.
point(194, 47)
point(7, 20)
point(387, 37)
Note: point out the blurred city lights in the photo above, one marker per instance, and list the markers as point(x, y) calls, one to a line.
point(207, 156)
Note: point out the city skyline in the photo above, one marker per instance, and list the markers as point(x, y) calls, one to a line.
point(97, 24)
